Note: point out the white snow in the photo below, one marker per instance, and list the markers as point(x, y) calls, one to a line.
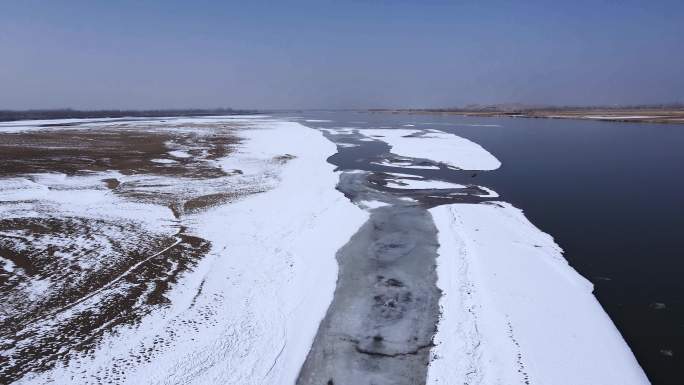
point(442, 147)
point(25, 125)
point(7, 264)
point(54, 194)
point(406, 181)
point(346, 145)
point(405, 165)
point(490, 193)
point(89, 123)
point(180, 154)
point(339, 130)
point(402, 175)
point(422, 184)
point(372, 204)
point(513, 310)
point(164, 161)
point(265, 286)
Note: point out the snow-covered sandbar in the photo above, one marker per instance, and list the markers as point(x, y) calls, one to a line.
point(248, 312)
point(514, 311)
point(440, 147)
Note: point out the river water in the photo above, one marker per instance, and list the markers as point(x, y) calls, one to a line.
point(609, 193)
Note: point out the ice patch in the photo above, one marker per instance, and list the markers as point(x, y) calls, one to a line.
point(514, 311)
point(444, 148)
point(7, 264)
point(387, 163)
point(346, 145)
point(180, 154)
point(490, 193)
point(423, 184)
point(372, 204)
point(339, 130)
point(164, 161)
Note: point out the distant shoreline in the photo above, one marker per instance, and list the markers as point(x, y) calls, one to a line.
point(667, 115)
point(626, 114)
point(15, 115)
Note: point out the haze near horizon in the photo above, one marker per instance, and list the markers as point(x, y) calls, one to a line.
point(334, 54)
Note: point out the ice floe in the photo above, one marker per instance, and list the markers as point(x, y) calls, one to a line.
point(406, 183)
point(408, 164)
point(514, 311)
point(445, 148)
point(372, 204)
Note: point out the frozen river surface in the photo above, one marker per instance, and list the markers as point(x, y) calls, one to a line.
point(333, 248)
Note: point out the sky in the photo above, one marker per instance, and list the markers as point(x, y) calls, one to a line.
point(338, 54)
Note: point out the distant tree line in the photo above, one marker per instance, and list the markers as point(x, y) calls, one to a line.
point(10, 115)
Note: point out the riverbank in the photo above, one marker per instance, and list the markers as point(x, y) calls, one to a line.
point(636, 115)
point(511, 308)
point(213, 250)
point(439, 279)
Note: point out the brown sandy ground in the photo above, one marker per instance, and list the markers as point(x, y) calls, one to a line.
point(101, 272)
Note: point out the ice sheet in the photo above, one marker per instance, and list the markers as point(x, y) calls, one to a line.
point(441, 147)
point(514, 311)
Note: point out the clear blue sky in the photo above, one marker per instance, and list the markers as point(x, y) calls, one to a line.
point(338, 54)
